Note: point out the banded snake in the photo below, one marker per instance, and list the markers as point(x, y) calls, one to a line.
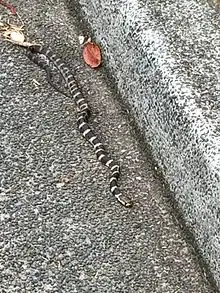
point(35, 53)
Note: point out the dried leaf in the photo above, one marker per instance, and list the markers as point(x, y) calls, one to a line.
point(9, 7)
point(92, 54)
point(17, 37)
point(13, 34)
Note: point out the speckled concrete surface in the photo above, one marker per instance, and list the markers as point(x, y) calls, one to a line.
point(61, 230)
point(165, 57)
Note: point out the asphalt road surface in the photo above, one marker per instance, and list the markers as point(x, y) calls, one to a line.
point(61, 229)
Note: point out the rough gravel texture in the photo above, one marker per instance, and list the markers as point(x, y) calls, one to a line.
point(165, 57)
point(61, 230)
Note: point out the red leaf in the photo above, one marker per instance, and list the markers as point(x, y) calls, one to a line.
point(9, 7)
point(92, 54)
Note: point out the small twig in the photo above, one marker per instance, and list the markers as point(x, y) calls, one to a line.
point(24, 44)
point(19, 17)
point(35, 82)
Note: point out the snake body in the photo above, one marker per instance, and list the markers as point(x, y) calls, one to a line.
point(35, 53)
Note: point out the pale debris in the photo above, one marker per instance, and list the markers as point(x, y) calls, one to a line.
point(81, 39)
point(13, 34)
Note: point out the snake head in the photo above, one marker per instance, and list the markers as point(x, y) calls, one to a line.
point(35, 48)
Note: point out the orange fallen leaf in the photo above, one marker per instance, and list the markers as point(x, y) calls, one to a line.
point(92, 54)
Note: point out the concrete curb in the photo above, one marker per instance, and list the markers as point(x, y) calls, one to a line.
point(165, 57)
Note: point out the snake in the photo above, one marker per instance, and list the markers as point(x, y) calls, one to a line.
point(42, 56)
